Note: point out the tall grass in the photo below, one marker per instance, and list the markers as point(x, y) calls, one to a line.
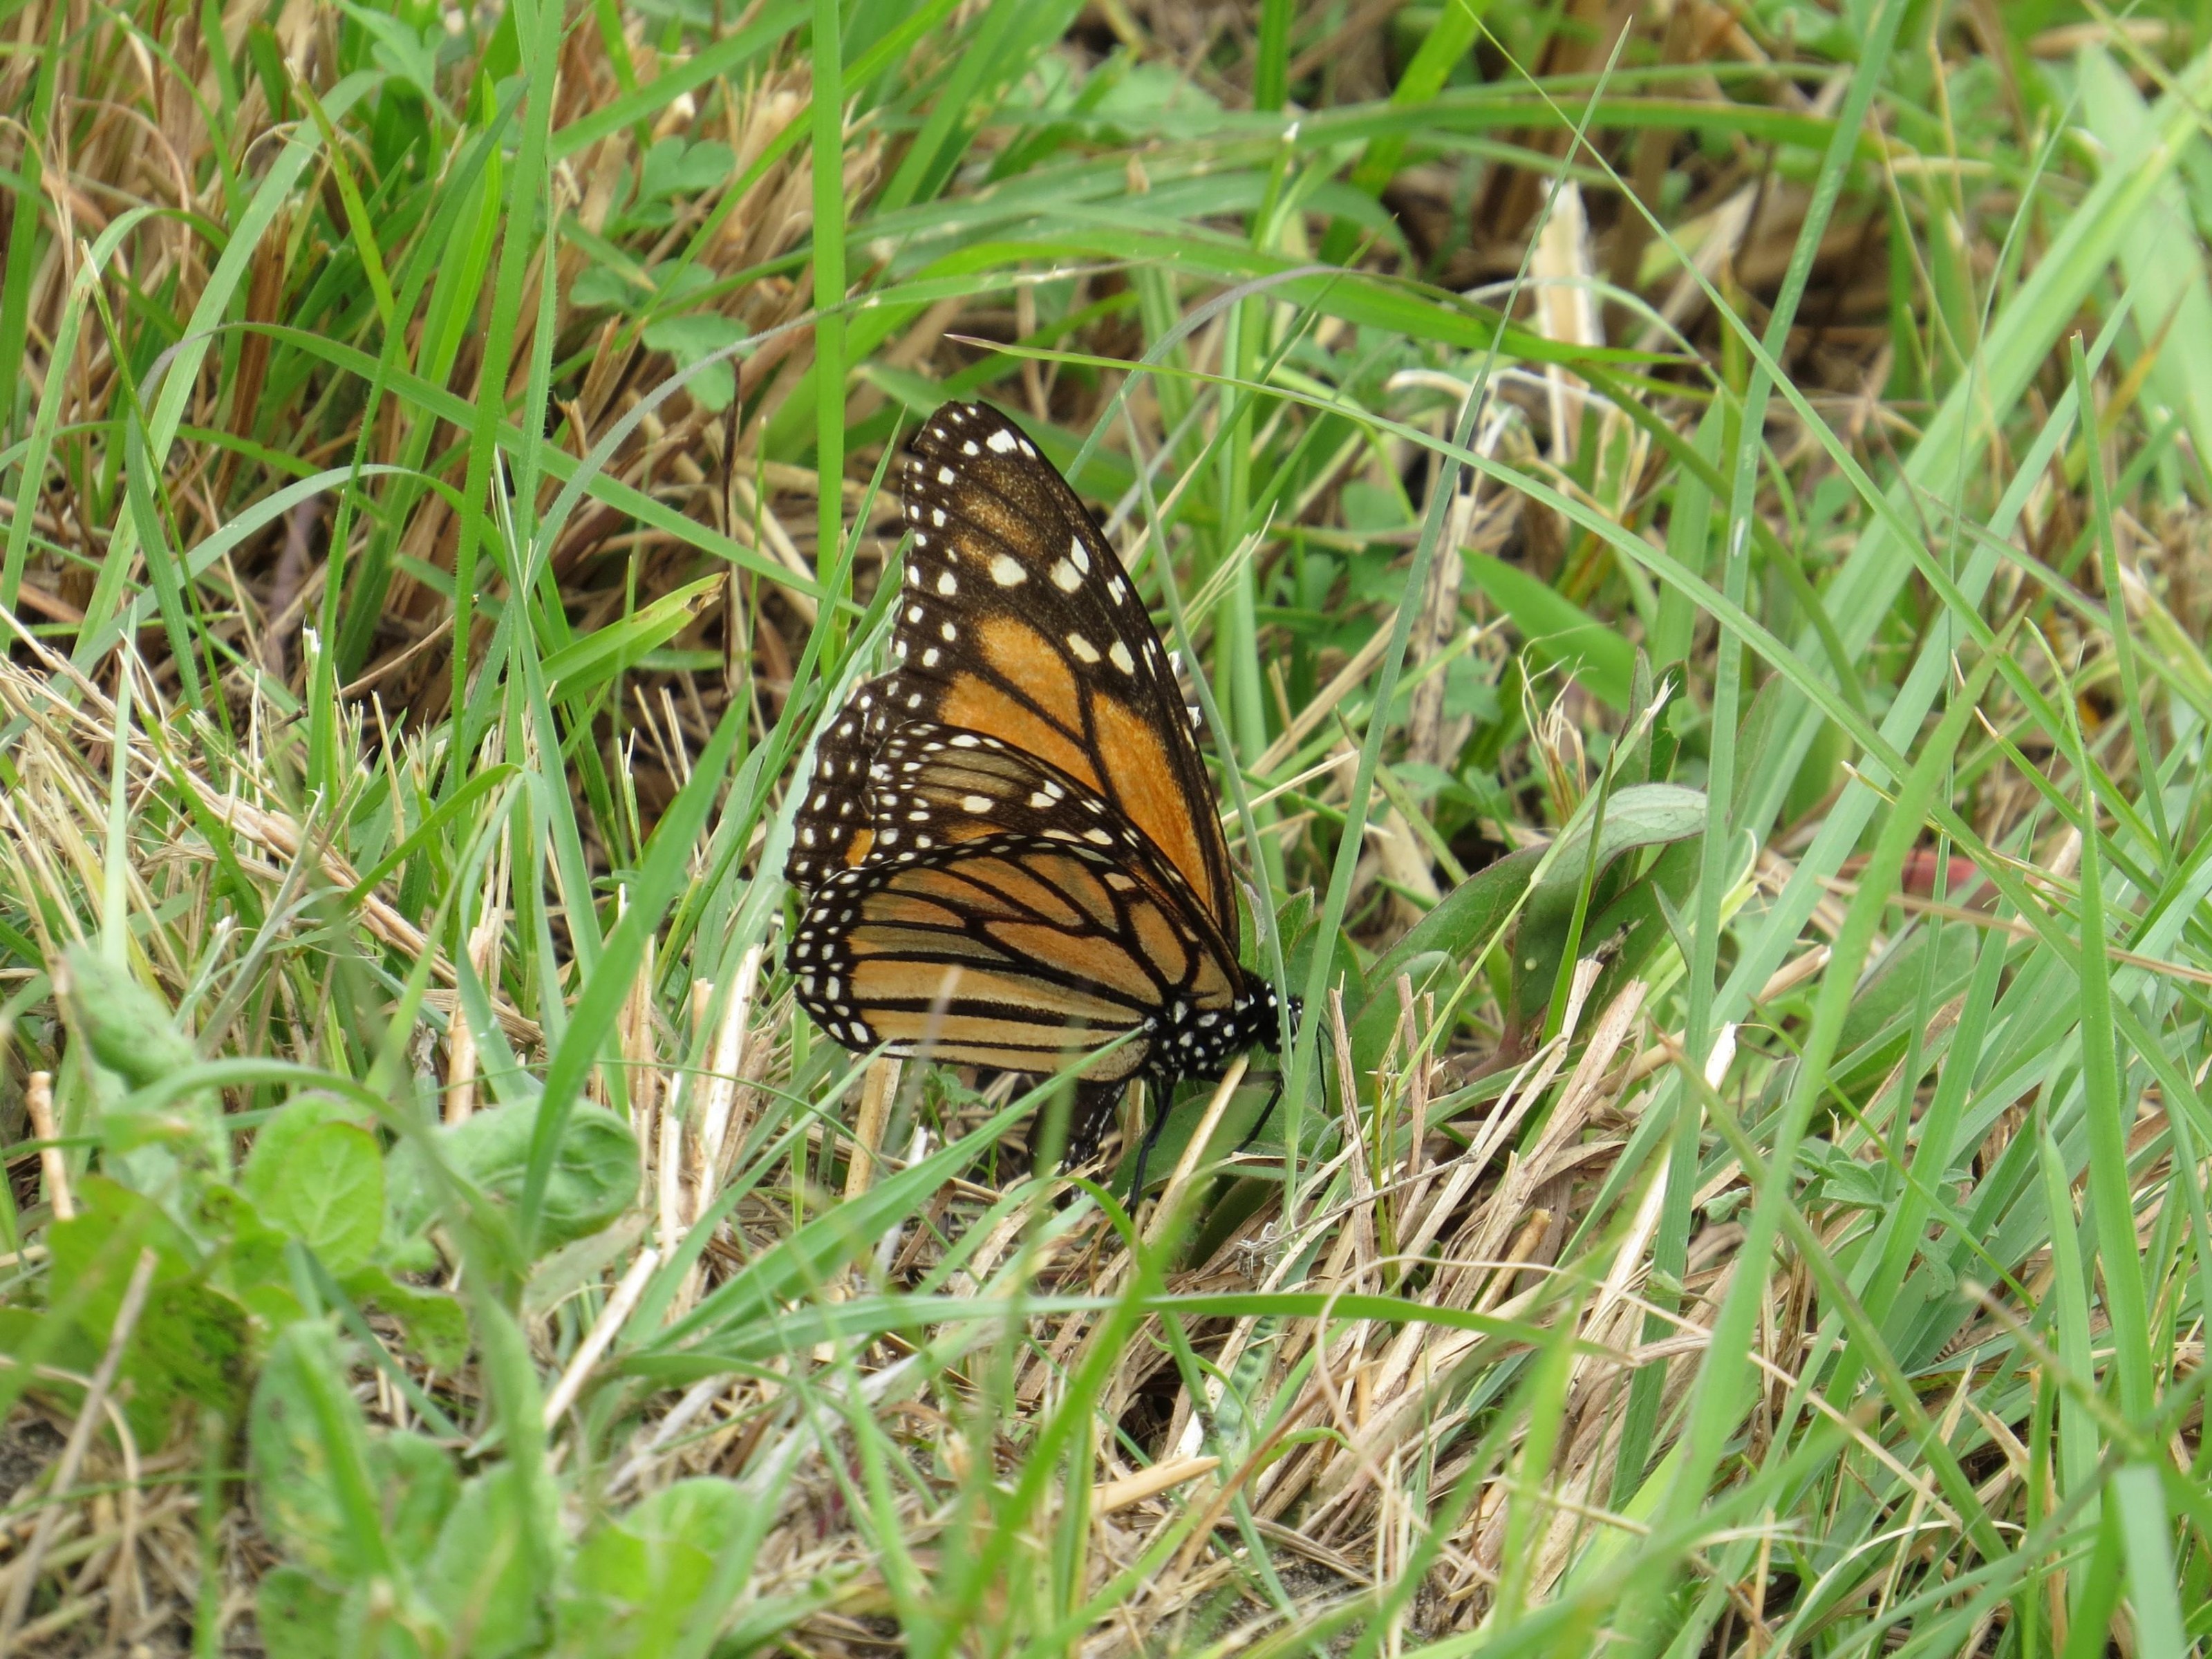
point(1688, 530)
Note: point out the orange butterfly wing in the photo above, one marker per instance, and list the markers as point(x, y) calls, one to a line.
point(999, 883)
point(1017, 620)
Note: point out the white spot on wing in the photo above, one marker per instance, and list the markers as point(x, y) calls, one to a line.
point(1065, 577)
point(1121, 658)
point(1006, 571)
point(1082, 647)
point(1002, 442)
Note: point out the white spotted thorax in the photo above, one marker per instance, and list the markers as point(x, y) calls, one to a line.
point(1010, 844)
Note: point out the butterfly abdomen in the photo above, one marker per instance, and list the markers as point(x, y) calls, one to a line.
point(1199, 1043)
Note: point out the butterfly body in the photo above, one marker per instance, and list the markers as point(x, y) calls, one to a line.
point(1009, 844)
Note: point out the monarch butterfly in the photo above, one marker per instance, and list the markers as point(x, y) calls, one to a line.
point(1009, 844)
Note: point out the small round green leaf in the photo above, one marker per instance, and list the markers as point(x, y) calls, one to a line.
point(321, 1180)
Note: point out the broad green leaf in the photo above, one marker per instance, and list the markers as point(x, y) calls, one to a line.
point(636, 1581)
point(191, 1339)
point(130, 1032)
point(351, 1510)
point(298, 1616)
point(417, 1486)
point(594, 1173)
point(307, 1454)
point(321, 1179)
point(1464, 917)
point(436, 1324)
point(693, 337)
point(251, 1264)
point(1643, 815)
point(1635, 928)
point(480, 1578)
point(1443, 942)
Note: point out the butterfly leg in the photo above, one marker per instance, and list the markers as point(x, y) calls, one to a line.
point(1144, 1148)
point(1265, 1112)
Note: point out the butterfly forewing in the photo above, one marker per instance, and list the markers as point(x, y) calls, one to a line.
point(1017, 620)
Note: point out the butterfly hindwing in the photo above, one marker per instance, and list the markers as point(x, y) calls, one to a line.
point(1017, 619)
point(930, 785)
point(831, 830)
point(1014, 952)
point(952, 785)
